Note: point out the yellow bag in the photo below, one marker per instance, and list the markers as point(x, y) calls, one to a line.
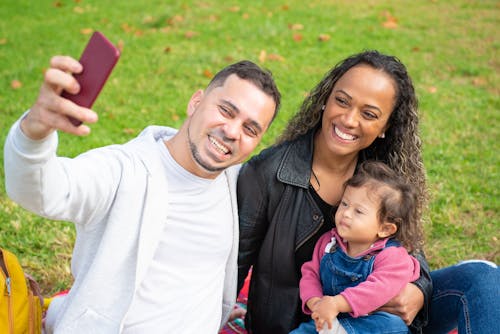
point(20, 299)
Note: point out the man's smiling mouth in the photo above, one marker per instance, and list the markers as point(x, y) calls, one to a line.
point(219, 146)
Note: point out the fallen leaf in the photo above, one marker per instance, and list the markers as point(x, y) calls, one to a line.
point(86, 31)
point(174, 19)
point(78, 10)
point(245, 16)
point(234, 9)
point(128, 131)
point(120, 45)
point(175, 117)
point(262, 56)
point(478, 81)
point(166, 29)
point(297, 37)
point(390, 21)
point(324, 37)
point(208, 74)
point(432, 89)
point(229, 59)
point(295, 26)
point(138, 33)
point(275, 57)
point(285, 7)
point(126, 27)
point(390, 24)
point(3, 41)
point(148, 19)
point(213, 18)
point(16, 84)
point(190, 34)
point(415, 49)
point(57, 4)
point(168, 49)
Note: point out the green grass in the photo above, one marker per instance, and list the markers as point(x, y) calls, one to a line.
point(168, 47)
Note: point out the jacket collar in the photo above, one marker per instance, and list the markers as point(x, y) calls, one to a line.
point(295, 167)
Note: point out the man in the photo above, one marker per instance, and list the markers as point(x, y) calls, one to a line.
point(156, 218)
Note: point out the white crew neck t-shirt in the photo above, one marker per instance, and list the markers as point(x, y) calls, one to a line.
point(182, 290)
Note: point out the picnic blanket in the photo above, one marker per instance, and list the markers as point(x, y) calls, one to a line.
point(237, 326)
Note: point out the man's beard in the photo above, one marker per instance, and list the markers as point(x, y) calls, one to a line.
point(198, 159)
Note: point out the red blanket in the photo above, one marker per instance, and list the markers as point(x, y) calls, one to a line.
point(238, 326)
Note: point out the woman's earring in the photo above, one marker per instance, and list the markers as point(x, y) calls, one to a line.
point(382, 135)
point(323, 107)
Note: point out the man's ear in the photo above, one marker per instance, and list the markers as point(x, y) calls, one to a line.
point(386, 229)
point(194, 101)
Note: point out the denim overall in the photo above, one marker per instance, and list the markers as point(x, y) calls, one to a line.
point(339, 271)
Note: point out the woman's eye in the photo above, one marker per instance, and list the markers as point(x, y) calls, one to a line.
point(341, 101)
point(358, 211)
point(369, 115)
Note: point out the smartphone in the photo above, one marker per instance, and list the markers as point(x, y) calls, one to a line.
point(98, 59)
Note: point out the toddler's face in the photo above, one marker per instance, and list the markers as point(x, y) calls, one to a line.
point(357, 216)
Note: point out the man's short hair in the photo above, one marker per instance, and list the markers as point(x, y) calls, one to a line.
point(247, 70)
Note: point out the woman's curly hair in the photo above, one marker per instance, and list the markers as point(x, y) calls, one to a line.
point(401, 147)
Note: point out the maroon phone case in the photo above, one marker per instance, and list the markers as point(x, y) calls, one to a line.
point(98, 60)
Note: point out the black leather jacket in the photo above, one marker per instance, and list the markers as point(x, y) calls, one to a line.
point(277, 216)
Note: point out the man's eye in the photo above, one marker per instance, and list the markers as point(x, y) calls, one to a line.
point(251, 131)
point(225, 111)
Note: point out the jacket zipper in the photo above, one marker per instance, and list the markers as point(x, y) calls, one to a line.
point(8, 292)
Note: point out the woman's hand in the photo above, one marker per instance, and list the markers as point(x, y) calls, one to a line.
point(406, 304)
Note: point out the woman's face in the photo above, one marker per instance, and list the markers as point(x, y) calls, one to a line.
point(358, 110)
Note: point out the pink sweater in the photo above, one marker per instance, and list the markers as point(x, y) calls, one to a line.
point(393, 268)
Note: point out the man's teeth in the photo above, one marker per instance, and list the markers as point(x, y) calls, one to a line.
point(343, 135)
point(218, 146)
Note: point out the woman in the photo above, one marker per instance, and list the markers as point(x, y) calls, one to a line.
point(365, 108)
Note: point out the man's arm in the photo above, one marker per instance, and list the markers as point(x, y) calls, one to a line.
point(57, 188)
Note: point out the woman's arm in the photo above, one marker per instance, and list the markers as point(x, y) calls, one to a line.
point(412, 304)
point(252, 207)
point(393, 268)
